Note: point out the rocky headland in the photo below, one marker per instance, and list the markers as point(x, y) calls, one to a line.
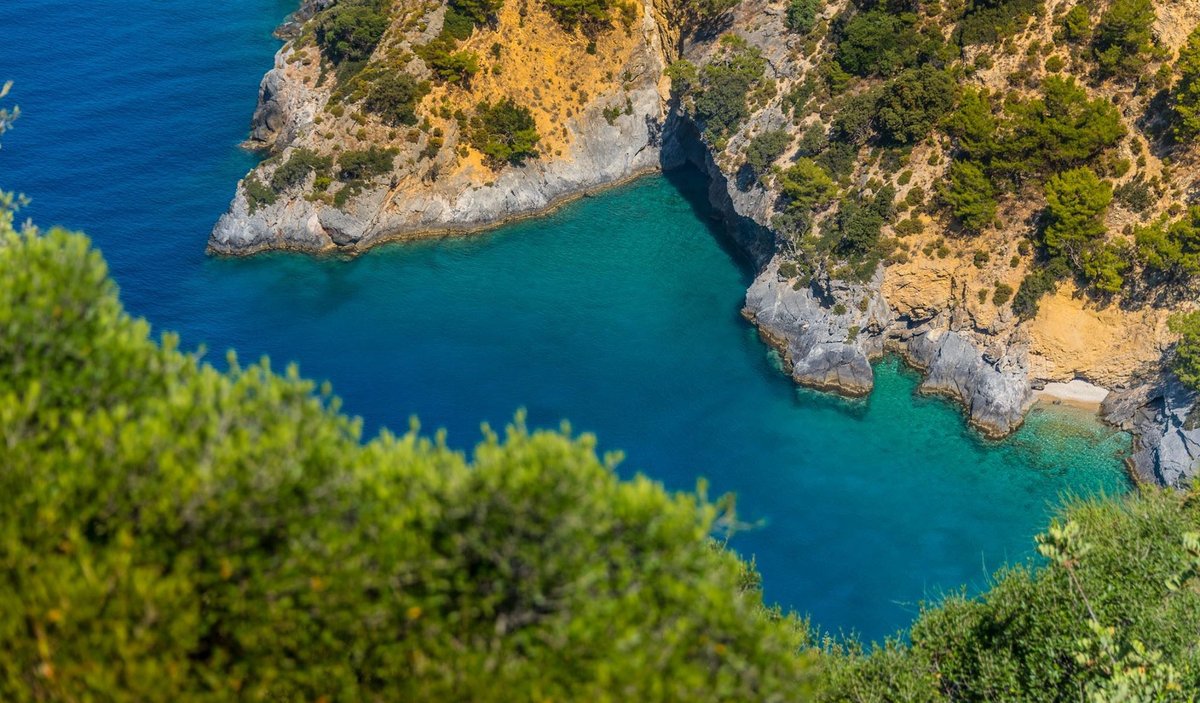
point(625, 98)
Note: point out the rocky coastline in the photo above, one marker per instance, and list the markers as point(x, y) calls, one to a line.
point(826, 330)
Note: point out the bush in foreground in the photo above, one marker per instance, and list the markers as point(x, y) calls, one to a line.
point(173, 532)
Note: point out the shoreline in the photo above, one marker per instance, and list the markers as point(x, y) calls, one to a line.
point(1076, 393)
point(434, 233)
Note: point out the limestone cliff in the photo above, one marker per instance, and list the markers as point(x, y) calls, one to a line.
point(926, 286)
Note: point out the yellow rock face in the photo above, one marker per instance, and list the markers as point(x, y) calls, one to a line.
point(1071, 337)
point(919, 288)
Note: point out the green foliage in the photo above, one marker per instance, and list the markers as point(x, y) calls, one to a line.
point(990, 21)
point(970, 196)
point(1060, 129)
point(1123, 38)
point(448, 65)
point(504, 131)
point(855, 230)
point(1104, 266)
point(362, 165)
point(1186, 93)
point(913, 103)
point(878, 42)
point(456, 25)
point(854, 122)
point(1002, 294)
point(394, 96)
point(1186, 362)
point(1171, 249)
point(1116, 609)
point(258, 194)
point(802, 15)
point(684, 75)
point(724, 84)
point(766, 147)
point(838, 159)
point(351, 29)
point(1076, 202)
point(805, 185)
point(591, 14)
point(177, 533)
point(974, 126)
point(479, 12)
point(1077, 24)
point(295, 170)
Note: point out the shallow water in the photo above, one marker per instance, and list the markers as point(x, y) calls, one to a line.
point(619, 312)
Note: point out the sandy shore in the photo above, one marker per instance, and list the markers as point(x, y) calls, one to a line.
point(1077, 393)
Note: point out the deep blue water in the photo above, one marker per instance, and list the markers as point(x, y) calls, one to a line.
point(619, 312)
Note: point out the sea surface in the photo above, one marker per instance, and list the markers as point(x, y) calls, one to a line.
point(619, 312)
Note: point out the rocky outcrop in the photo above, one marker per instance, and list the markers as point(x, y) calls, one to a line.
point(994, 387)
point(1165, 422)
point(611, 137)
point(826, 331)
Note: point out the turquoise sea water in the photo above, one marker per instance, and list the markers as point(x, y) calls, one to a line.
point(619, 312)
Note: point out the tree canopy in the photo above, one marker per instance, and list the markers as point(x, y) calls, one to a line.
point(504, 131)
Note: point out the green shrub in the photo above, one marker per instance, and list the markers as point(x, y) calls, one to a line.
point(478, 12)
point(1076, 202)
point(878, 42)
point(1186, 93)
point(1077, 24)
point(1054, 64)
point(802, 15)
point(363, 165)
point(457, 25)
point(448, 65)
point(805, 185)
point(299, 164)
point(394, 96)
point(590, 14)
point(1061, 129)
point(1002, 294)
point(912, 103)
point(351, 29)
point(724, 84)
point(856, 116)
point(1123, 38)
point(970, 196)
point(1104, 266)
point(766, 147)
point(1171, 249)
point(990, 21)
point(1186, 361)
point(504, 131)
point(257, 193)
point(174, 532)
point(1112, 616)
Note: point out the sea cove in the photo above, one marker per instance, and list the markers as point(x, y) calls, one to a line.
point(620, 312)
